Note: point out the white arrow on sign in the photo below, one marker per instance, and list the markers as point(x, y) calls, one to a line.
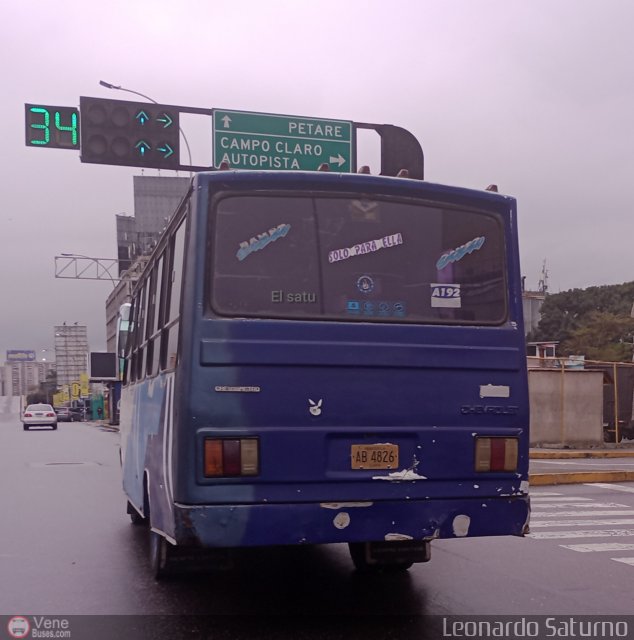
point(227, 121)
point(339, 159)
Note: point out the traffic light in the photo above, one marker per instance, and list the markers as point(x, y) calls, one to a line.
point(135, 134)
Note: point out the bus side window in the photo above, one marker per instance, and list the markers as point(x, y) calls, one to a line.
point(143, 328)
point(127, 347)
point(138, 333)
point(155, 319)
point(169, 342)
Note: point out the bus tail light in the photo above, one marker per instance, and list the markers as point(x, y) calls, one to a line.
point(496, 454)
point(231, 457)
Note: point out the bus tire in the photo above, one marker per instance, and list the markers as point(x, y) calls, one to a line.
point(361, 564)
point(160, 556)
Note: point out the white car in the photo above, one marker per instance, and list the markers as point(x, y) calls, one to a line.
point(39, 415)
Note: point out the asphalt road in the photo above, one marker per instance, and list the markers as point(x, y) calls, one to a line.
point(68, 548)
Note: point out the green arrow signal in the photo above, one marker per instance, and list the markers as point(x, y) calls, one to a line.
point(166, 150)
point(166, 119)
point(142, 117)
point(143, 147)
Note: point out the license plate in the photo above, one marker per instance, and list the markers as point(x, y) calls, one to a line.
point(374, 456)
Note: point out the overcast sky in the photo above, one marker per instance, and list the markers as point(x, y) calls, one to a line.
point(537, 97)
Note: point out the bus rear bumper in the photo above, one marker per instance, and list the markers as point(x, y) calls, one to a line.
point(321, 523)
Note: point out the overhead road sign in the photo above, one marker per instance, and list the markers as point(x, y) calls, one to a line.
point(264, 141)
point(141, 134)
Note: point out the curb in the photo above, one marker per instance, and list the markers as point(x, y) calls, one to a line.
point(578, 477)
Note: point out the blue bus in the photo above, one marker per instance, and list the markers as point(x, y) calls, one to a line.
point(327, 358)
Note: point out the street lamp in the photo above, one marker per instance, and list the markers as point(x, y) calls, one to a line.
point(103, 266)
point(109, 85)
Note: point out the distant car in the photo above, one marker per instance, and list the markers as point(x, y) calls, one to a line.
point(76, 414)
point(64, 414)
point(39, 415)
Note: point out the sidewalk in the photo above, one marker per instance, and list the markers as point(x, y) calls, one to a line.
point(580, 474)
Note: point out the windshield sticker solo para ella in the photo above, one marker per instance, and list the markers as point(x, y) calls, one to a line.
point(457, 254)
point(365, 247)
point(262, 240)
point(445, 295)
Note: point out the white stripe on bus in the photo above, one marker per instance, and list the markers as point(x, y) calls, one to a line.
point(164, 447)
point(170, 480)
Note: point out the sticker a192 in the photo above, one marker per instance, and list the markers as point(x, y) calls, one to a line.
point(445, 295)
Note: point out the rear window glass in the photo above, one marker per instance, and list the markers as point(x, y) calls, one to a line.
point(358, 260)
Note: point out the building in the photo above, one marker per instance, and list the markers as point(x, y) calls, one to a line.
point(118, 296)
point(532, 302)
point(19, 376)
point(71, 352)
point(156, 198)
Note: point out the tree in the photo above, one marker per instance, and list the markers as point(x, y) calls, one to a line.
point(564, 316)
point(603, 336)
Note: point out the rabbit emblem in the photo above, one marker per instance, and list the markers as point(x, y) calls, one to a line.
point(315, 407)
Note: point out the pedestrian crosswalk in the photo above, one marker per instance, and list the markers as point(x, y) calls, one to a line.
point(570, 520)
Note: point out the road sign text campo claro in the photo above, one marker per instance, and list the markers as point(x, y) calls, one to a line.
point(248, 140)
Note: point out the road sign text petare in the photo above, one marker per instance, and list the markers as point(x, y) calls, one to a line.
point(264, 141)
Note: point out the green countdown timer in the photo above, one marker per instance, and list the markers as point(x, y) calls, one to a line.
point(52, 127)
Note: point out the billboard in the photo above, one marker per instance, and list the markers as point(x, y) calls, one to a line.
point(103, 366)
point(20, 355)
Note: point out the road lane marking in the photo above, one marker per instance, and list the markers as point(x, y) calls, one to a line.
point(580, 523)
point(615, 487)
point(588, 533)
point(536, 494)
point(540, 499)
point(594, 505)
point(598, 546)
point(627, 512)
point(590, 463)
point(624, 560)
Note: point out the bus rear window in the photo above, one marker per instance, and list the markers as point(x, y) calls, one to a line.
point(341, 258)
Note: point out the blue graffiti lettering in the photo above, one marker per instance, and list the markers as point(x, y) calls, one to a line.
point(262, 240)
point(457, 254)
